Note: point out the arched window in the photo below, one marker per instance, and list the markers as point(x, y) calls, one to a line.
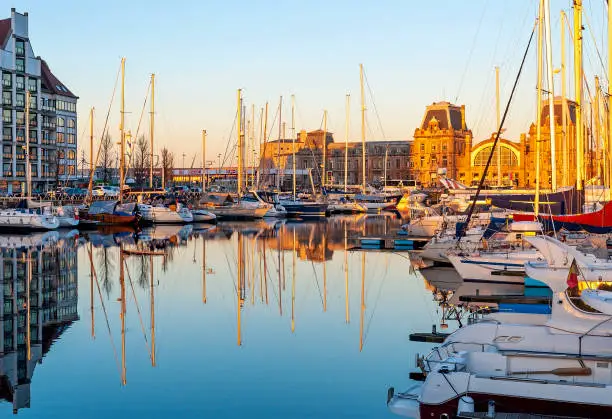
point(71, 123)
point(508, 158)
point(60, 122)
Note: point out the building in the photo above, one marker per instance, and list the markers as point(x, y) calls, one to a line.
point(442, 141)
point(52, 124)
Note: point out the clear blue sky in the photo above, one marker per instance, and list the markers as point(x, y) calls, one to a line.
point(414, 53)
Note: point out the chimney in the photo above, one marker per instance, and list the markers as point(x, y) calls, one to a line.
point(463, 117)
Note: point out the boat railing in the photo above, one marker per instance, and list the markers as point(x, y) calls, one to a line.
point(448, 356)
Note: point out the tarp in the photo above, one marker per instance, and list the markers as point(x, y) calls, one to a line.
point(102, 207)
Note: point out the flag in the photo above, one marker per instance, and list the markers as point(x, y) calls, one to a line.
point(572, 277)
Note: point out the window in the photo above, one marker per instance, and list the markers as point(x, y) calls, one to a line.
point(433, 148)
point(32, 85)
point(71, 139)
point(20, 65)
point(422, 147)
point(20, 169)
point(411, 164)
point(71, 123)
point(7, 98)
point(20, 82)
point(7, 152)
point(21, 135)
point(60, 122)
point(20, 153)
point(7, 133)
point(60, 154)
point(19, 47)
point(33, 103)
point(444, 147)
point(7, 169)
point(71, 170)
point(71, 154)
point(7, 80)
point(20, 100)
point(507, 157)
point(422, 161)
point(444, 161)
point(20, 118)
point(33, 136)
point(33, 120)
point(60, 138)
point(7, 116)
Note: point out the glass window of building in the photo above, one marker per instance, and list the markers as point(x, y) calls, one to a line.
point(7, 98)
point(71, 123)
point(32, 85)
point(20, 47)
point(7, 116)
point(20, 135)
point(7, 133)
point(20, 100)
point(60, 122)
point(60, 138)
point(7, 80)
point(20, 169)
point(71, 154)
point(20, 65)
point(20, 82)
point(20, 118)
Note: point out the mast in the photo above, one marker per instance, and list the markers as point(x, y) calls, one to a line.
point(28, 280)
point(539, 111)
point(324, 274)
point(564, 178)
point(265, 142)
point(122, 315)
point(239, 131)
point(578, 90)
point(261, 116)
point(551, 96)
point(346, 276)
point(609, 157)
point(278, 162)
point(324, 148)
point(91, 141)
point(91, 291)
point(152, 314)
point(122, 131)
point(252, 161)
point(293, 162)
point(293, 286)
point(363, 139)
point(346, 138)
point(362, 313)
point(152, 129)
point(239, 289)
point(596, 116)
point(28, 190)
point(203, 160)
point(385, 169)
point(497, 114)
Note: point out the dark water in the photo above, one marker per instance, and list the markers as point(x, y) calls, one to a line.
point(247, 335)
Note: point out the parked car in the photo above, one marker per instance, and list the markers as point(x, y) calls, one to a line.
point(107, 191)
point(196, 189)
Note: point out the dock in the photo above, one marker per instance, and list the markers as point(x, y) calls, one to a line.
point(394, 242)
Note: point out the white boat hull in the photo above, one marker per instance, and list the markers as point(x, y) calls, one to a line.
point(203, 216)
point(17, 220)
point(164, 215)
point(505, 268)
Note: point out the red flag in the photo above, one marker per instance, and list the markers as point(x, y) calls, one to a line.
point(572, 277)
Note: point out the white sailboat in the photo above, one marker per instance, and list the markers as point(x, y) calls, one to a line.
point(159, 214)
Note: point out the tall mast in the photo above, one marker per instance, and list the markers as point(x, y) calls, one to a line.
point(91, 142)
point(346, 137)
point(263, 154)
point(152, 129)
point(578, 90)
point(239, 131)
point(324, 148)
point(240, 279)
point(203, 160)
point(565, 177)
point(278, 162)
point(28, 190)
point(597, 116)
point(293, 284)
point(497, 114)
point(609, 156)
point(91, 291)
point(385, 169)
point(362, 311)
point(346, 276)
point(252, 162)
point(293, 163)
point(551, 96)
point(539, 111)
point(152, 314)
point(122, 131)
point(204, 269)
point(122, 314)
point(363, 142)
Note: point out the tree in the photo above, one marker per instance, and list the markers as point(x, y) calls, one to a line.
point(167, 163)
point(141, 161)
point(105, 160)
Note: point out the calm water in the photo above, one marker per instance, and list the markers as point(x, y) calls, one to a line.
point(247, 335)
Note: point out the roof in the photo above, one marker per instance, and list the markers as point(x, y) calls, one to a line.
point(5, 30)
point(52, 83)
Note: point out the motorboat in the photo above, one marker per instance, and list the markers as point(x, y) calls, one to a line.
point(67, 215)
point(28, 216)
point(379, 201)
point(250, 206)
point(346, 206)
point(202, 216)
point(560, 367)
point(304, 208)
point(176, 213)
point(107, 213)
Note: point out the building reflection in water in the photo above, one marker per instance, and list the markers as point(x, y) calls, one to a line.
point(38, 278)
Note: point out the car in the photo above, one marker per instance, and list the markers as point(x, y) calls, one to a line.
point(196, 189)
point(107, 191)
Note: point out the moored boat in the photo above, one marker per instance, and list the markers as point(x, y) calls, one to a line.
point(111, 213)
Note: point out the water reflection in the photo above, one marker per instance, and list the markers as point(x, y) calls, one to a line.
point(39, 301)
point(158, 298)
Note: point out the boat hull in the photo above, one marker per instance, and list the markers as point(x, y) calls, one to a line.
point(111, 219)
point(305, 209)
point(19, 221)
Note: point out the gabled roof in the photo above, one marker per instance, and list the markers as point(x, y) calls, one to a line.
point(52, 83)
point(5, 30)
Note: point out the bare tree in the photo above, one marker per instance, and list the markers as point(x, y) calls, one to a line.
point(141, 160)
point(105, 161)
point(167, 163)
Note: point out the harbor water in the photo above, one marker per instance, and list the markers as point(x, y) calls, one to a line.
point(257, 319)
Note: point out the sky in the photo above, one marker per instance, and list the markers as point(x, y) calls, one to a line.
point(414, 53)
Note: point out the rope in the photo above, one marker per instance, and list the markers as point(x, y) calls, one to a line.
point(499, 130)
point(144, 333)
point(110, 334)
point(133, 145)
point(382, 131)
